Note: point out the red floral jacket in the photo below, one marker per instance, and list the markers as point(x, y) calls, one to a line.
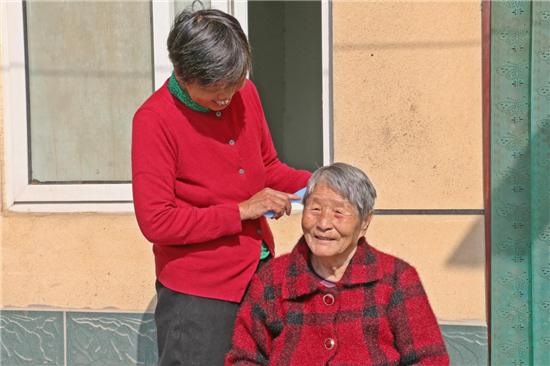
point(378, 314)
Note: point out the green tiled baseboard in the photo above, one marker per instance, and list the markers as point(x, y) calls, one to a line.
point(111, 339)
point(31, 338)
point(100, 338)
point(467, 345)
point(89, 338)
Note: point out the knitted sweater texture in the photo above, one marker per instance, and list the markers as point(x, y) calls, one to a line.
point(189, 172)
point(377, 314)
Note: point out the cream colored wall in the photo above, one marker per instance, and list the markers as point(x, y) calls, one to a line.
point(407, 100)
point(78, 261)
point(407, 110)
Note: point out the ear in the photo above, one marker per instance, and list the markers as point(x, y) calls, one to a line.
point(178, 78)
point(366, 222)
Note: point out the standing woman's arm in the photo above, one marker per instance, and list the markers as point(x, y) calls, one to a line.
point(154, 160)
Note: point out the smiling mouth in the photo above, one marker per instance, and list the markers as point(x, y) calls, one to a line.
point(223, 103)
point(323, 238)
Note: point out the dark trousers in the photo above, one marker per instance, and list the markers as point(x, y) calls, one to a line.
point(192, 330)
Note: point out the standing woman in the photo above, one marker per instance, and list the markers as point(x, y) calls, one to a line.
point(204, 172)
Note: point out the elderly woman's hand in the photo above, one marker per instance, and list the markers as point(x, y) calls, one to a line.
point(264, 201)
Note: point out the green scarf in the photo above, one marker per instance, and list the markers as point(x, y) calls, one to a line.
point(176, 90)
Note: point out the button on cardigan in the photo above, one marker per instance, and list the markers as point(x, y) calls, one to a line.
point(189, 172)
point(377, 314)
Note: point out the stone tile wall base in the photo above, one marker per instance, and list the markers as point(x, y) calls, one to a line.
point(467, 345)
point(101, 338)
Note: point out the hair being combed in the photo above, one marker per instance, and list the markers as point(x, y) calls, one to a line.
point(350, 182)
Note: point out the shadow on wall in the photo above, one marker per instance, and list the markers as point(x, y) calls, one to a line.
point(514, 182)
point(468, 345)
point(470, 253)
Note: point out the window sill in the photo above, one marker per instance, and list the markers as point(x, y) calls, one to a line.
point(76, 207)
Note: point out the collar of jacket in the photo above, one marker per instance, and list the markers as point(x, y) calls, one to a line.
point(176, 90)
point(363, 268)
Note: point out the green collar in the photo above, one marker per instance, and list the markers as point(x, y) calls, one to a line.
point(177, 91)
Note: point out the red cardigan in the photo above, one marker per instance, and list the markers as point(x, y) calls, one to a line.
point(189, 172)
point(377, 314)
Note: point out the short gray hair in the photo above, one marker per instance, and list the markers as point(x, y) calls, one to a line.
point(208, 47)
point(350, 182)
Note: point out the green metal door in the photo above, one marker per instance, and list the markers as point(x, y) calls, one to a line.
point(520, 184)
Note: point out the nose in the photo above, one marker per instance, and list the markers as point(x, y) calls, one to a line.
point(325, 220)
point(226, 94)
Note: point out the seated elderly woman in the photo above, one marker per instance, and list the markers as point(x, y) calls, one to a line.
point(336, 299)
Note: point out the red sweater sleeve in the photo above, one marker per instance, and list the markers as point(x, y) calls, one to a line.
point(417, 334)
point(278, 175)
point(154, 159)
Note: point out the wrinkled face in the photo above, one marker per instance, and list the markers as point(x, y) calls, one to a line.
point(331, 224)
point(215, 97)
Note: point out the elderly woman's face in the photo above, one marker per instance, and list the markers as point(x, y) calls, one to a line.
point(215, 97)
point(331, 224)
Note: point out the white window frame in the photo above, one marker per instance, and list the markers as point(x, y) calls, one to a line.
point(20, 196)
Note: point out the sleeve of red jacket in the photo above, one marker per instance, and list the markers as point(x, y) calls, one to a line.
point(278, 175)
point(417, 334)
point(153, 183)
point(252, 337)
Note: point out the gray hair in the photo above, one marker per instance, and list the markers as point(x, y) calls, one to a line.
point(350, 182)
point(208, 47)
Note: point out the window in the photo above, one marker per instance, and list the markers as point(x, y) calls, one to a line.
point(74, 73)
point(88, 70)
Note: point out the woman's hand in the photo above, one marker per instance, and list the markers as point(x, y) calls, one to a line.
point(264, 201)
